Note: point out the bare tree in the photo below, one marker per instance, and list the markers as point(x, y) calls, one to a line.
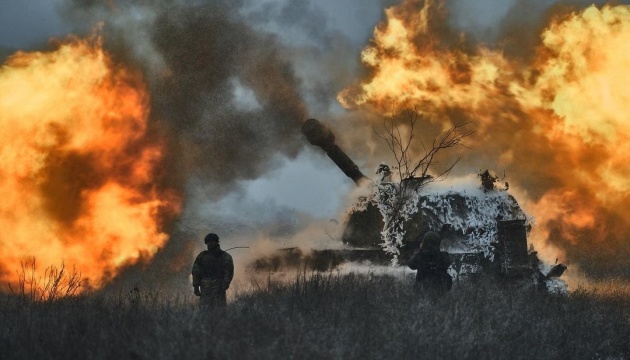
point(397, 200)
point(410, 165)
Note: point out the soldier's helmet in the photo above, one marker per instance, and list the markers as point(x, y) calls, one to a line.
point(211, 237)
point(431, 241)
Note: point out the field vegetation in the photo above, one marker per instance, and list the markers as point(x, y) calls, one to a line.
point(321, 316)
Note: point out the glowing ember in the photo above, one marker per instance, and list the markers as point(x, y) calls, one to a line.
point(78, 175)
point(557, 121)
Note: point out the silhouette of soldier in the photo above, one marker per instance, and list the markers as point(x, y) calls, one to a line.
point(212, 273)
point(431, 263)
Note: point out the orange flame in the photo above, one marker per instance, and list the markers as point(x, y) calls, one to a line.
point(78, 174)
point(558, 122)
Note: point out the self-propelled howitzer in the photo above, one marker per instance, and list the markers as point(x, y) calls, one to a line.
point(484, 230)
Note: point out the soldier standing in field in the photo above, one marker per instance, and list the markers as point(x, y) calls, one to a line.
point(212, 273)
point(432, 264)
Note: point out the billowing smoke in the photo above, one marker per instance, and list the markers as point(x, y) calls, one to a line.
point(223, 79)
point(223, 94)
point(222, 101)
point(215, 84)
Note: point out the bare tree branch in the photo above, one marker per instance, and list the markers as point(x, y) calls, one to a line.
point(410, 166)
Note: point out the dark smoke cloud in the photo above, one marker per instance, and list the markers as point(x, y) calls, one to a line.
point(230, 83)
point(196, 56)
point(224, 96)
point(206, 56)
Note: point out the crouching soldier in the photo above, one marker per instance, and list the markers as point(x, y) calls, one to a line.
point(432, 264)
point(212, 273)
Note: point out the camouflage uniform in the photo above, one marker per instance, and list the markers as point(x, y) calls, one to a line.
point(432, 264)
point(213, 272)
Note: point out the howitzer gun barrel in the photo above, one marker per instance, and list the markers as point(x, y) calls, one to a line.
point(319, 135)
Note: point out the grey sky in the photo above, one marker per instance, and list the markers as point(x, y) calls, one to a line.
point(27, 23)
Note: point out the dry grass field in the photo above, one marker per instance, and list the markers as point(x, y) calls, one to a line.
point(321, 316)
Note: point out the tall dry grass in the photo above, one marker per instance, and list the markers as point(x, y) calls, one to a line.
point(341, 316)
